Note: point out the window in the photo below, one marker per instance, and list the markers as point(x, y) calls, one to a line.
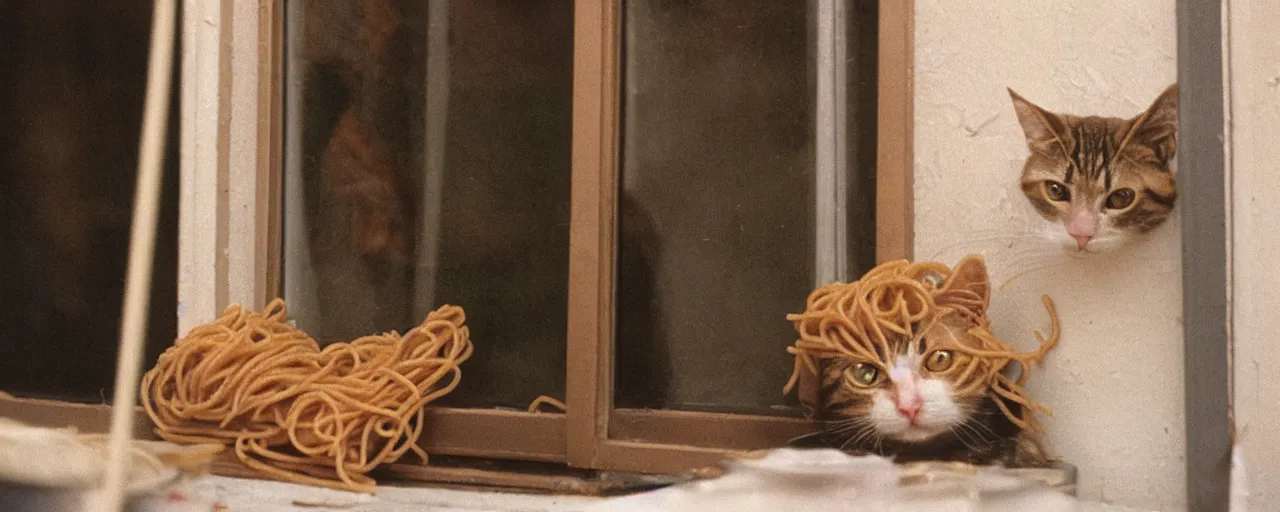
point(73, 109)
point(626, 197)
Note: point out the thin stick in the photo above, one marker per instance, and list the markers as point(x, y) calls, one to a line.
point(142, 244)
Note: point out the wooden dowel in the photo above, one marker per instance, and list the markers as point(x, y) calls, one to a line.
point(142, 243)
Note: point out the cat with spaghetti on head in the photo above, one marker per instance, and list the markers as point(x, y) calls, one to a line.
point(1105, 179)
point(909, 368)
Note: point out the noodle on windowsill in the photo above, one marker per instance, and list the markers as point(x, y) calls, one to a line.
point(299, 413)
point(535, 407)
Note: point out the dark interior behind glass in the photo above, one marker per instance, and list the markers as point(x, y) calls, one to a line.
point(442, 183)
point(70, 114)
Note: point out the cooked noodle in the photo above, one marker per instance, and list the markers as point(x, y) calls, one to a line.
point(542, 400)
point(857, 319)
point(299, 413)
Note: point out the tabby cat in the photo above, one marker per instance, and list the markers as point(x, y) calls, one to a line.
point(906, 404)
point(1106, 179)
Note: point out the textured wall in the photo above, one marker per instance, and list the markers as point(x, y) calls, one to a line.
point(1115, 383)
point(1255, 114)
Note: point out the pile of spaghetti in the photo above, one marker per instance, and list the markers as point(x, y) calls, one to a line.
point(900, 300)
point(299, 413)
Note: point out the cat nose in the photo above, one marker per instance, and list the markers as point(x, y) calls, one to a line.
point(908, 405)
point(909, 410)
point(1082, 227)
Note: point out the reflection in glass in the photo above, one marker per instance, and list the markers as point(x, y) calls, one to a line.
point(427, 162)
point(717, 209)
point(861, 54)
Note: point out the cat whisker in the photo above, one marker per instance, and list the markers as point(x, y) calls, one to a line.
point(965, 429)
point(843, 429)
point(836, 422)
point(1024, 273)
point(866, 433)
point(844, 425)
point(803, 437)
point(961, 438)
point(1020, 257)
point(974, 411)
point(1001, 240)
point(971, 242)
point(977, 434)
point(974, 424)
point(857, 437)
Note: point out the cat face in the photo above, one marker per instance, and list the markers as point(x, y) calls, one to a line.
point(909, 396)
point(922, 389)
point(1105, 179)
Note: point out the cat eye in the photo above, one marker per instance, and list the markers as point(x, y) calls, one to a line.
point(1056, 191)
point(865, 374)
point(939, 361)
point(1120, 199)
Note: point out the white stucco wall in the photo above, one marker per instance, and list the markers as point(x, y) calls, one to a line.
point(1254, 150)
point(1115, 383)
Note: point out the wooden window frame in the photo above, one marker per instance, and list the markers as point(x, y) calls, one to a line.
point(232, 150)
point(661, 441)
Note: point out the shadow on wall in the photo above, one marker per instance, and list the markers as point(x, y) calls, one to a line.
point(70, 115)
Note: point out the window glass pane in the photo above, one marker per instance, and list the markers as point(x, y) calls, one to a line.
point(75, 79)
point(427, 162)
point(862, 57)
point(717, 209)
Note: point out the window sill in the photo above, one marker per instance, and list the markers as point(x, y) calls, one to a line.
point(245, 495)
point(248, 495)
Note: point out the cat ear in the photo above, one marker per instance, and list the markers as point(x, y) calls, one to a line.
point(1157, 127)
point(1041, 127)
point(969, 286)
